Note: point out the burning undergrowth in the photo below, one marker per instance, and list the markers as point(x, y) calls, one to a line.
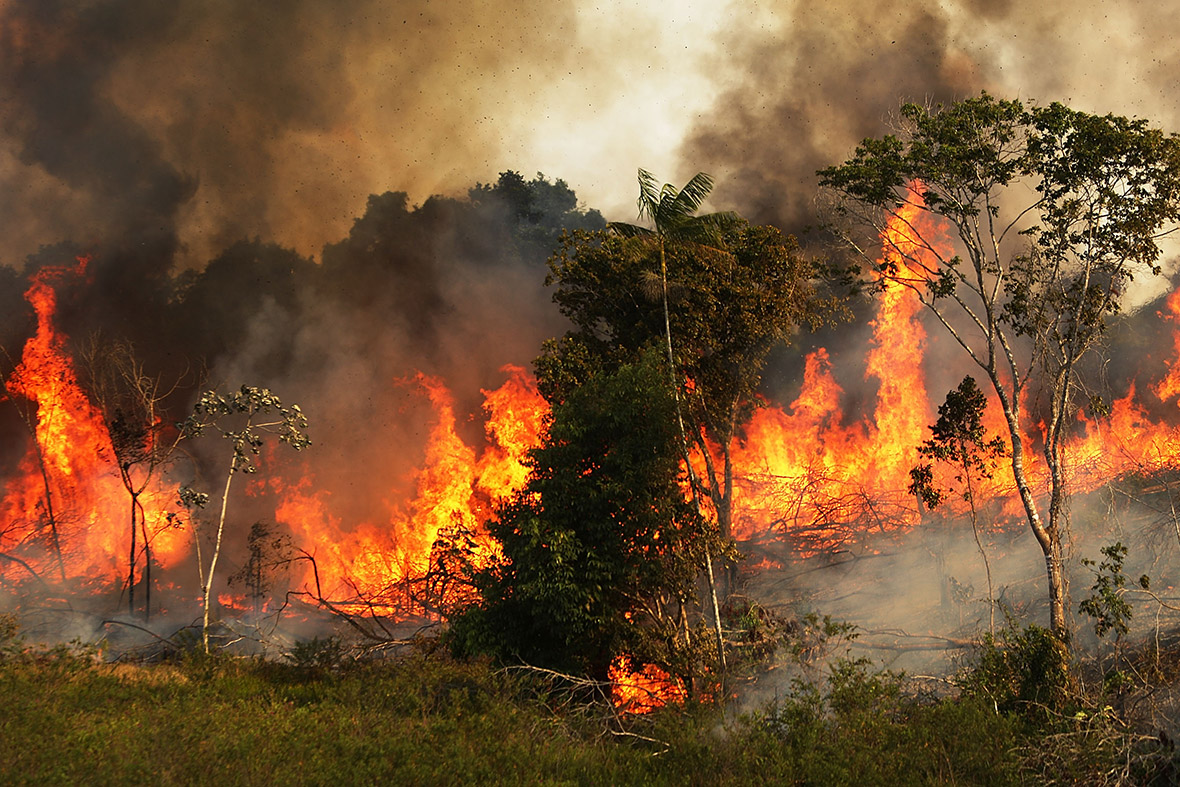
point(384, 345)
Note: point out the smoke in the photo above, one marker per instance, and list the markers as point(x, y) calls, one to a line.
point(806, 81)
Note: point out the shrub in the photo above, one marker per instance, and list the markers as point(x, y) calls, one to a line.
point(1022, 671)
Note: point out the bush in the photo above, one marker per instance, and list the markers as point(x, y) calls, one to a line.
point(1023, 671)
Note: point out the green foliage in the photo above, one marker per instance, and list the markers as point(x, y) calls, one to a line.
point(247, 405)
point(600, 541)
point(1024, 671)
point(317, 654)
point(423, 719)
point(728, 306)
point(958, 438)
point(1049, 213)
point(243, 418)
point(10, 638)
point(1106, 603)
point(540, 209)
point(858, 726)
point(412, 721)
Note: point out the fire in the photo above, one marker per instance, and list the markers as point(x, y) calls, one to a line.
point(805, 469)
point(642, 690)
point(66, 513)
point(456, 490)
point(808, 474)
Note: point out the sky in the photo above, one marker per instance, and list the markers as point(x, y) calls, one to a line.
point(224, 120)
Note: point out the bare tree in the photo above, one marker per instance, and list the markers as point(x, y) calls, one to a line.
point(131, 402)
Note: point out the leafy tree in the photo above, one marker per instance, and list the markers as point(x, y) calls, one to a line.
point(540, 210)
point(601, 549)
point(958, 438)
point(1106, 604)
point(1052, 211)
point(728, 292)
point(243, 418)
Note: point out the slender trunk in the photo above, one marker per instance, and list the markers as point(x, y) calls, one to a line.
point(131, 562)
point(1047, 536)
point(216, 552)
point(49, 513)
point(687, 454)
point(716, 612)
point(147, 564)
point(991, 598)
point(1057, 591)
point(1054, 557)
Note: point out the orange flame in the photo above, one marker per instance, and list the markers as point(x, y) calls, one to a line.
point(800, 467)
point(67, 497)
point(642, 690)
point(455, 489)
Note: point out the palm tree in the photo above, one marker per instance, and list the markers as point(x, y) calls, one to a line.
point(672, 212)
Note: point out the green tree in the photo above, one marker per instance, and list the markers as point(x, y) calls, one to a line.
point(728, 292)
point(600, 549)
point(958, 438)
point(1051, 211)
point(243, 418)
point(538, 209)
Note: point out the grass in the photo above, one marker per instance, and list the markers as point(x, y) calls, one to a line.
point(417, 720)
point(424, 718)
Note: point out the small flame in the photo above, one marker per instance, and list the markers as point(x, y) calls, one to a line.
point(642, 690)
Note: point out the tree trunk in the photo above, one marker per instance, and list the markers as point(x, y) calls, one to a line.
point(131, 562)
point(216, 552)
point(1049, 537)
point(716, 612)
point(1057, 590)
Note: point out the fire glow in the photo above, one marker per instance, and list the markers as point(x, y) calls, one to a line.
point(67, 498)
point(800, 469)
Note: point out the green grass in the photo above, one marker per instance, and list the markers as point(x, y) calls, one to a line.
point(425, 719)
point(417, 721)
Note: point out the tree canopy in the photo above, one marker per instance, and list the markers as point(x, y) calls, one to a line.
point(731, 291)
point(1051, 212)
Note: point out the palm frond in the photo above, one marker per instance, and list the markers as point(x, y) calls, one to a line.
point(649, 195)
point(628, 230)
point(708, 230)
point(677, 207)
point(695, 191)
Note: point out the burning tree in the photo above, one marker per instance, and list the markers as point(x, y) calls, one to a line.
point(132, 405)
point(242, 418)
point(1053, 211)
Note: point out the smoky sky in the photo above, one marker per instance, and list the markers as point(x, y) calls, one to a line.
point(221, 120)
point(806, 81)
point(200, 123)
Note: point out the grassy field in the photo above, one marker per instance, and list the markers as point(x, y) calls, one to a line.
point(423, 718)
